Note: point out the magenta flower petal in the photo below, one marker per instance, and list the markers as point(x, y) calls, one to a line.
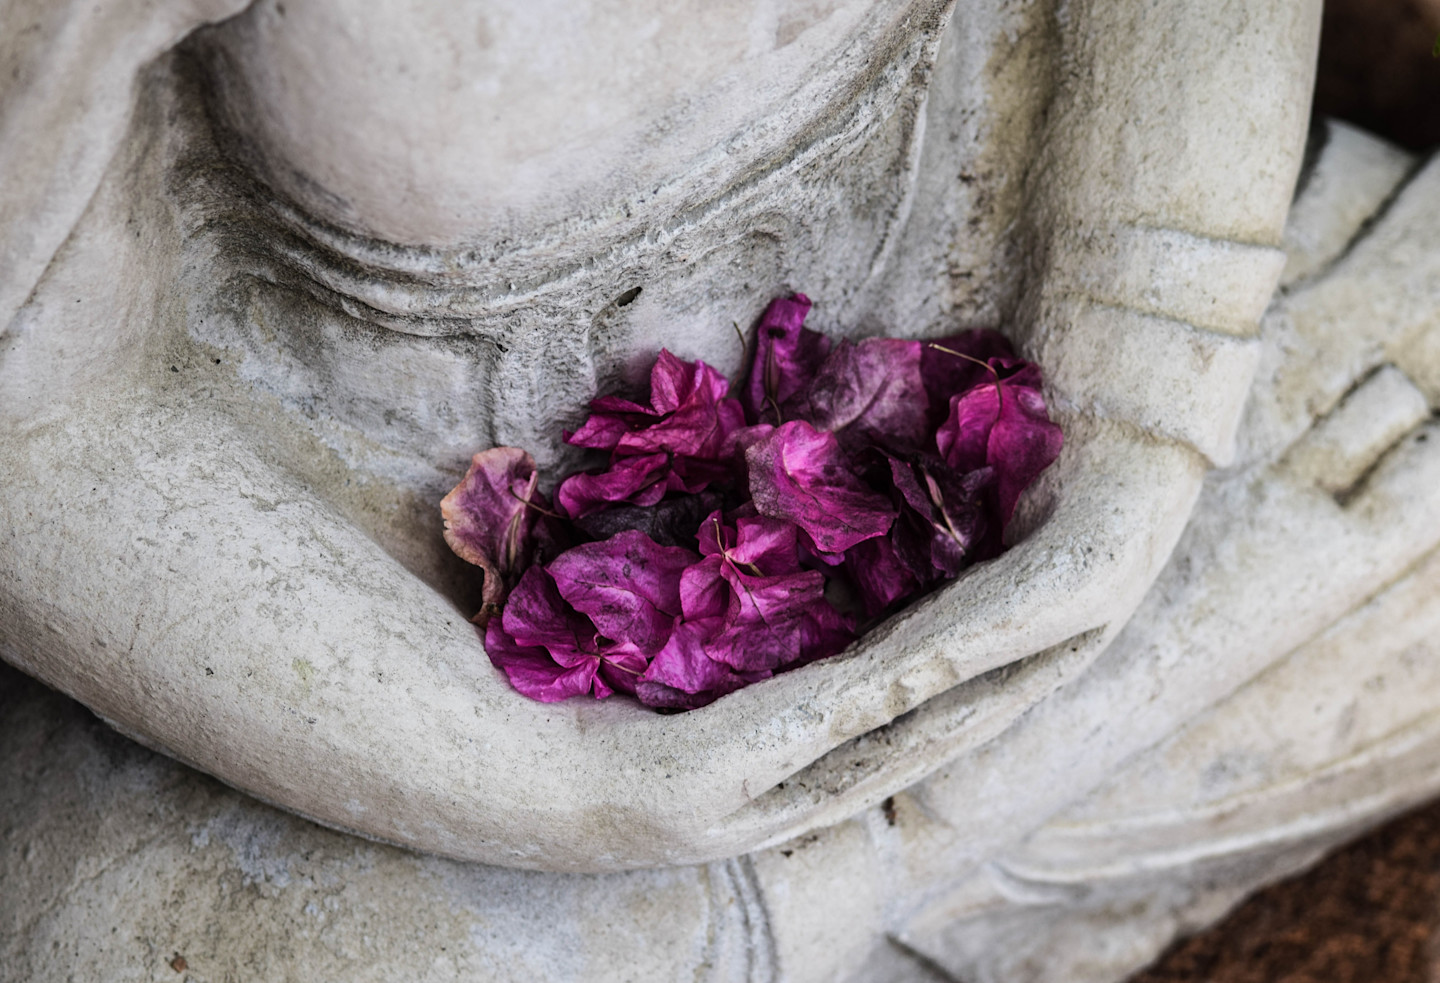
point(658, 696)
point(545, 646)
point(942, 523)
point(777, 621)
point(695, 414)
point(682, 442)
point(769, 546)
point(690, 414)
point(872, 391)
point(771, 613)
point(602, 431)
point(628, 586)
point(695, 430)
point(683, 667)
point(675, 382)
point(620, 669)
point(532, 671)
point(536, 615)
point(951, 365)
point(801, 476)
point(962, 531)
point(1003, 425)
point(786, 358)
point(880, 574)
point(636, 480)
point(489, 523)
point(704, 594)
point(836, 447)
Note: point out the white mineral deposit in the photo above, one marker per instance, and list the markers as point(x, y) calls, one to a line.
point(271, 272)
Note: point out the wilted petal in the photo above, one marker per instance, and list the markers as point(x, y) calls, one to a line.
point(785, 359)
point(951, 365)
point(551, 651)
point(703, 592)
point(620, 668)
point(774, 622)
point(490, 520)
point(636, 480)
point(658, 696)
point(769, 547)
point(801, 476)
point(697, 415)
point(675, 382)
point(689, 414)
point(683, 667)
point(963, 533)
point(740, 441)
point(871, 391)
point(880, 575)
point(1003, 425)
point(905, 481)
point(628, 586)
point(603, 431)
point(532, 671)
point(536, 614)
point(695, 430)
point(693, 475)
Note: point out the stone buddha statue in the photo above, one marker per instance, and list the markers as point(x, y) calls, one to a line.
point(274, 271)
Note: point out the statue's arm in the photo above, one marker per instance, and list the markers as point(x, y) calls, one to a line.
point(67, 86)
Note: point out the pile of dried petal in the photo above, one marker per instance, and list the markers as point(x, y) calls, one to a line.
point(731, 539)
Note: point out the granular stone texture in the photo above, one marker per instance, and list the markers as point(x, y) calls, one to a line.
point(1368, 914)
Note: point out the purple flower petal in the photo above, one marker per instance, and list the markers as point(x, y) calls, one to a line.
point(683, 442)
point(683, 676)
point(829, 503)
point(770, 613)
point(620, 670)
point(545, 646)
point(628, 586)
point(636, 480)
point(603, 431)
point(533, 672)
point(872, 391)
point(1003, 425)
point(536, 615)
point(942, 526)
point(690, 414)
point(774, 622)
point(962, 531)
point(697, 418)
point(704, 594)
point(769, 546)
point(675, 383)
point(489, 523)
point(942, 520)
point(880, 574)
point(801, 476)
point(949, 366)
point(786, 358)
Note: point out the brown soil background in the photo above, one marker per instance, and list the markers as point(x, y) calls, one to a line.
point(1378, 68)
point(1370, 913)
